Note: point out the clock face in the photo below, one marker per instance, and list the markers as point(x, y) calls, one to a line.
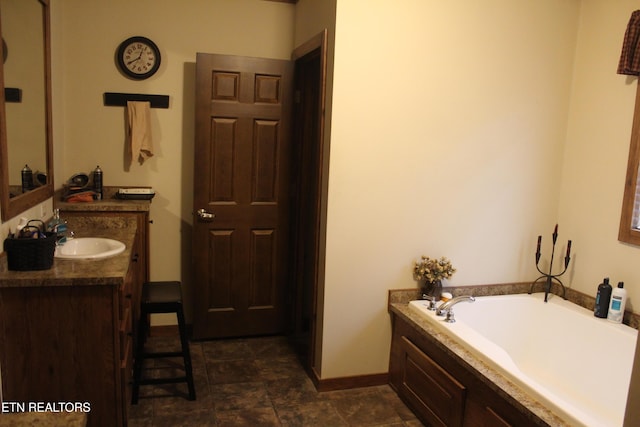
point(138, 57)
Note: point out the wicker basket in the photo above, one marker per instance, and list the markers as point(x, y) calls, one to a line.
point(24, 254)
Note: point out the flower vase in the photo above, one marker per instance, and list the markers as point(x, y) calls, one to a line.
point(433, 289)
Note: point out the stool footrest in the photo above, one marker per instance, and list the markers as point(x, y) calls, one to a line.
point(161, 354)
point(148, 381)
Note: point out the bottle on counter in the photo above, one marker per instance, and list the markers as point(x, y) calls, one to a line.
point(97, 183)
point(602, 299)
point(59, 226)
point(27, 178)
point(618, 302)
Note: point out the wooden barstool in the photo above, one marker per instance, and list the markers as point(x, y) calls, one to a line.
point(161, 297)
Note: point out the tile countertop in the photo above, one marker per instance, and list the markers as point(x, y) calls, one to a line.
point(398, 305)
point(109, 204)
point(107, 271)
point(43, 419)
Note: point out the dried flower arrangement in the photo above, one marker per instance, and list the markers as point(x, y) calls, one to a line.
point(433, 269)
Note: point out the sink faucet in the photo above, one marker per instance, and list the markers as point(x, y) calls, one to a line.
point(447, 307)
point(63, 233)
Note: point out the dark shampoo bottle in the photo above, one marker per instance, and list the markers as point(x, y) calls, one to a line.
point(603, 297)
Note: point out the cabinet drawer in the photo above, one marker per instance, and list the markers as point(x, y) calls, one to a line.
point(125, 329)
point(125, 299)
point(437, 395)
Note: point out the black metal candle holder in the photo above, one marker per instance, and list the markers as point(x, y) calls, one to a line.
point(549, 277)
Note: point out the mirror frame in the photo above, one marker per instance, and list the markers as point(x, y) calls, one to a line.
point(11, 207)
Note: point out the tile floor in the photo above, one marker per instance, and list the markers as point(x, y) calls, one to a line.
point(256, 382)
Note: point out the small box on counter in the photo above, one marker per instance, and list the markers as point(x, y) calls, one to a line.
point(135, 193)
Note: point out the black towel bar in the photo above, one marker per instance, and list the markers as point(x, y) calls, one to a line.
point(114, 99)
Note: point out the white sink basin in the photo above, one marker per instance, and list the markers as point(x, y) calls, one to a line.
point(89, 248)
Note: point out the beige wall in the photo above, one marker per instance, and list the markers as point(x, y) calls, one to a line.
point(448, 131)
point(597, 147)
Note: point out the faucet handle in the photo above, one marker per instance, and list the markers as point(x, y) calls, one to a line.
point(451, 318)
point(432, 301)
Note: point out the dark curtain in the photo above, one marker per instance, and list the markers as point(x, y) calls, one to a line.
point(630, 57)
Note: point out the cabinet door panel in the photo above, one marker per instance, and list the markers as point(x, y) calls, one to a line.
point(438, 396)
point(492, 419)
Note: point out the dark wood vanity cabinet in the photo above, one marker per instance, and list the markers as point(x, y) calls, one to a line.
point(72, 341)
point(69, 344)
point(441, 390)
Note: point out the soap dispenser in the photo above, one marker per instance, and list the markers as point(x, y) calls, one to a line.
point(618, 302)
point(59, 226)
point(602, 299)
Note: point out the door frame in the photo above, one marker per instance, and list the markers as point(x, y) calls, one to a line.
point(312, 361)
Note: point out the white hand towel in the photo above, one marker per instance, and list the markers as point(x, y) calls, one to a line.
point(140, 130)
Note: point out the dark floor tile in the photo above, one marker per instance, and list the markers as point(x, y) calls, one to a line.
point(319, 413)
point(197, 354)
point(231, 371)
point(140, 422)
point(248, 417)
point(228, 397)
point(277, 368)
point(165, 406)
point(271, 347)
point(140, 411)
point(293, 390)
point(396, 403)
point(200, 417)
point(366, 408)
point(236, 349)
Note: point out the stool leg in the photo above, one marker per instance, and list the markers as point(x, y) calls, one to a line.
point(185, 353)
point(139, 356)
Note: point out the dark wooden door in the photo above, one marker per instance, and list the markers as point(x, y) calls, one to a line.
point(241, 179)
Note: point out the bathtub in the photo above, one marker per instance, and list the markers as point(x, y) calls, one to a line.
point(577, 365)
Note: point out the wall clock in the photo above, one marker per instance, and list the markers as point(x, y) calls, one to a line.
point(138, 57)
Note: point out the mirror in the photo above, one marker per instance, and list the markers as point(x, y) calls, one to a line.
point(25, 126)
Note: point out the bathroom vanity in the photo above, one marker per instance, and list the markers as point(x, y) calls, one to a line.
point(66, 334)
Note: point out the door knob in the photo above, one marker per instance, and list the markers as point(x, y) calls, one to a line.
point(203, 215)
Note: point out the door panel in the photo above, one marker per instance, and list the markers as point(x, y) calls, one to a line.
point(241, 174)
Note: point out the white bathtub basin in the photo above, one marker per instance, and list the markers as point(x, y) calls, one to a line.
point(576, 364)
point(89, 248)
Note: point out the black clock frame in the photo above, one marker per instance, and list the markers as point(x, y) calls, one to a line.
point(120, 60)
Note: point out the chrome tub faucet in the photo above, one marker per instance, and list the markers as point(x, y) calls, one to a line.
point(447, 307)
